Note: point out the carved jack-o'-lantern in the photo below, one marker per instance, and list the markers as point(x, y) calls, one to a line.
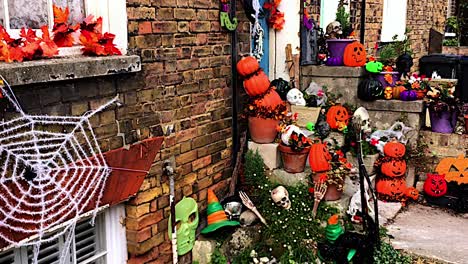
point(319, 157)
point(388, 92)
point(337, 116)
point(455, 169)
point(394, 149)
point(354, 55)
point(394, 168)
point(412, 193)
point(435, 185)
point(390, 189)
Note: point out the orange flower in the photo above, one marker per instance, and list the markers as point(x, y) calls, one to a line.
point(415, 85)
point(388, 78)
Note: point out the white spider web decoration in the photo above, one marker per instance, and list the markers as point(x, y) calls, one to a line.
point(51, 171)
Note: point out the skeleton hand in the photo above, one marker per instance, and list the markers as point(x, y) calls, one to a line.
point(320, 188)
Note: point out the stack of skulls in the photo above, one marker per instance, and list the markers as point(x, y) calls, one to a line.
point(265, 102)
point(391, 183)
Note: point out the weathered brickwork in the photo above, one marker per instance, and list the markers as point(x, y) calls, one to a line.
point(421, 16)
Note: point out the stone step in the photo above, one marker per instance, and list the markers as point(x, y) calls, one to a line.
point(269, 152)
point(285, 178)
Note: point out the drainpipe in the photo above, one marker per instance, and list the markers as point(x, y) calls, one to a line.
point(235, 92)
point(363, 20)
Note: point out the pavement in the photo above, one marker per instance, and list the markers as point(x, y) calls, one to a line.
point(431, 232)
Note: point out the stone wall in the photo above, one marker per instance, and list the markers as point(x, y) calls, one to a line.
point(186, 78)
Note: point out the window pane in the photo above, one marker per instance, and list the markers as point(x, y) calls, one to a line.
point(77, 9)
point(7, 257)
point(2, 14)
point(27, 13)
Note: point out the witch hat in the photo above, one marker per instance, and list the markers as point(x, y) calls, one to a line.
point(216, 216)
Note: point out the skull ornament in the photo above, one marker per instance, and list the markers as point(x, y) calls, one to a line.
point(186, 213)
point(334, 29)
point(280, 196)
point(295, 97)
point(361, 119)
point(248, 218)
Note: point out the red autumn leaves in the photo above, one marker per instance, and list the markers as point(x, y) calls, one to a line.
point(276, 17)
point(30, 46)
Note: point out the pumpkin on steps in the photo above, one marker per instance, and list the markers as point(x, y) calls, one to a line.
point(270, 99)
point(393, 168)
point(337, 116)
point(397, 90)
point(257, 84)
point(247, 66)
point(435, 185)
point(319, 158)
point(390, 189)
point(369, 90)
point(455, 169)
point(394, 149)
point(354, 55)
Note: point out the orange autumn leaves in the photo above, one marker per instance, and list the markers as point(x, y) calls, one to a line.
point(30, 46)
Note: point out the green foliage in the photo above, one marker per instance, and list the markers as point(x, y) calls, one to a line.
point(390, 52)
point(217, 257)
point(387, 254)
point(451, 42)
point(288, 230)
point(343, 17)
point(453, 24)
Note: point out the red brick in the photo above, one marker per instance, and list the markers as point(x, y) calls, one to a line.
point(200, 26)
point(186, 157)
point(201, 163)
point(165, 27)
point(139, 236)
point(144, 27)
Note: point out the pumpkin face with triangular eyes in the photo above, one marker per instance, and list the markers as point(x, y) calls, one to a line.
point(390, 189)
point(394, 168)
point(435, 185)
point(354, 55)
point(337, 116)
point(394, 149)
point(455, 169)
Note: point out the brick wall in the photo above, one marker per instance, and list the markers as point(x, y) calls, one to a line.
point(185, 78)
point(462, 50)
point(420, 18)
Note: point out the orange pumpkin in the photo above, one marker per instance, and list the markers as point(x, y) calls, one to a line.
point(337, 116)
point(247, 66)
point(394, 168)
point(397, 90)
point(257, 84)
point(455, 169)
point(319, 157)
point(391, 189)
point(394, 149)
point(354, 55)
point(412, 193)
point(270, 99)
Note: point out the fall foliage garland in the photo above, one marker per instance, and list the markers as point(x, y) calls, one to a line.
point(30, 47)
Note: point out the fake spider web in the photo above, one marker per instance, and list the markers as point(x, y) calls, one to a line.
point(51, 172)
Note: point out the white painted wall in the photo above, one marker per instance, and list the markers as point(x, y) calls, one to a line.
point(288, 35)
point(394, 19)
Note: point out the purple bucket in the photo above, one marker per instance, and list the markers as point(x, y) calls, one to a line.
point(443, 122)
point(381, 78)
point(336, 48)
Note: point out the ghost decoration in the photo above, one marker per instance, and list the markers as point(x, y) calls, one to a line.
point(287, 133)
point(361, 119)
point(280, 196)
point(295, 97)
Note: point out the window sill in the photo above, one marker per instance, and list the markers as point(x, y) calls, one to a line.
point(67, 68)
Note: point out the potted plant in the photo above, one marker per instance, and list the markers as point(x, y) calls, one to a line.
point(337, 33)
point(443, 108)
point(418, 84)
point(294, 154)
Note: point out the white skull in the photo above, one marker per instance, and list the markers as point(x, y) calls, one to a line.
point(334, 29)
point(295, 97)
point(287, 133)
point(247, 218)
point(361, 116)
point(280, 196)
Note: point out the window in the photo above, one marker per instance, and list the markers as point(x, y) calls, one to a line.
point(393, 20)
point(103, 243)
point(15, 14)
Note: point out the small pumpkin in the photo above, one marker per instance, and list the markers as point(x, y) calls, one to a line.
point(412, 193)
point(390, 189)
point(393, 168)
point(354, 55)
point(408, 95)
point(435, 185)
point(337, 116)
point(369, 90)
point(247, 66)
point(388, 93)
point(257, 84)
point(397, 90)
point(319, 157)
point(394, 149)
point(455, 169)
point(270, 99)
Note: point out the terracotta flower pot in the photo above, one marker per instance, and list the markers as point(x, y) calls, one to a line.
point(263, 130)
point(332, 193)
point(293, 161)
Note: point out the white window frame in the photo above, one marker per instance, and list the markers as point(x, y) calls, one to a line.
point(114, 20)
point(393, 20)
point(110, 234)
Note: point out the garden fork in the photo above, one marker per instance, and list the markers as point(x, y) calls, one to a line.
point(248, 203)
point(320, 188)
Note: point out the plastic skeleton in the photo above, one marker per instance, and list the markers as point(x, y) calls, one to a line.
point(51, 171)
point(257, 32)
point(320, 188)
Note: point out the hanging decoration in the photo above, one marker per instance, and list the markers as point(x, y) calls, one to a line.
point(276, 17)
point(48, 176)
point(224, 16)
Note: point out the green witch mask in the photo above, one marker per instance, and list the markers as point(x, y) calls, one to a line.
point(186, 223)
